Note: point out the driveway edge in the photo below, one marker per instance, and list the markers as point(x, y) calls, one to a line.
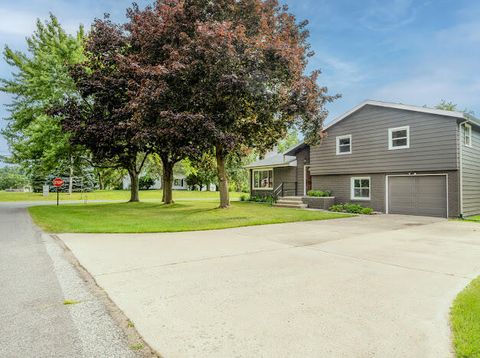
point(132, 335)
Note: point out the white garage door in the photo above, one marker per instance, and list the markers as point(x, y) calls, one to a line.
point(418, 195)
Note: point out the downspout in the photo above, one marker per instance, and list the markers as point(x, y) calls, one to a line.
point(460, 153)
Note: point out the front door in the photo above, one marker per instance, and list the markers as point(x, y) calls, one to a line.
point(308, 180)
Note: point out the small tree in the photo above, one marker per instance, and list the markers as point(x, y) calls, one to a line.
point(202, 170)
point(12, 177)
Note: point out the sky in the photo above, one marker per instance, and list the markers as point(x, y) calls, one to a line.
point(408, 51)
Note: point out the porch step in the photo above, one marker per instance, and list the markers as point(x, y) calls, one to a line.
point(291, 202)
point(296, 206)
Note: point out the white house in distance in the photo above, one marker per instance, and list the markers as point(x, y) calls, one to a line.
point(179, 183)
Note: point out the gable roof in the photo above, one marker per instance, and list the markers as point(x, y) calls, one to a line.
point(405, 107)
point(277, 160)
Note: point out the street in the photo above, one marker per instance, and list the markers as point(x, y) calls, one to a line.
point(35, 280)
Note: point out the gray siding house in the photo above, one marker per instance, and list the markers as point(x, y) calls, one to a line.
point(392, 157)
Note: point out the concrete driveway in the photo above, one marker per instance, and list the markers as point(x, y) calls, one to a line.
point(378, 286)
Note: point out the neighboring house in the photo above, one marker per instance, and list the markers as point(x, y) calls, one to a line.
point(392, 157)
point(179, 183)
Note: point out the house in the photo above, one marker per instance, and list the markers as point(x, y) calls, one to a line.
point(394, 158)
point(179, 183)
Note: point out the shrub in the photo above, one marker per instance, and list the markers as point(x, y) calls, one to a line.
point(319, 193)
point(337, 208)
point(351, 208)
point(146, 182)
point(243, 198)
point(261, 199)
point(367, 211)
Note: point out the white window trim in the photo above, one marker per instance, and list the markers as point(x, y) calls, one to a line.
point(262, 170)
point(352, 188)
point(349, 136)
point(469, 128)
point(390, 137)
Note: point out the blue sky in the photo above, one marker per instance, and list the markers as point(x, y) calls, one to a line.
point(409, 51)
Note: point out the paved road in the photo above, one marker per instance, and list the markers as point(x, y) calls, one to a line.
point(378, 286)
point(35, 279)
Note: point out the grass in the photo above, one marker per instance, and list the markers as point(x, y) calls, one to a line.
point(112, 195)
point(465, 321)
point(473, 218)
point(137, 346)
point(70, 302)
point(156, 217)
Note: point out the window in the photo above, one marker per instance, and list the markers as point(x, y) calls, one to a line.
point(178, 182)
point(399, 138)
point(467, 135)
point(360, 188)
point(344, 144)
point(263, 179)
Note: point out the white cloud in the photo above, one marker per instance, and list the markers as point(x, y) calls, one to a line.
point(446, 67)
point(387, 15)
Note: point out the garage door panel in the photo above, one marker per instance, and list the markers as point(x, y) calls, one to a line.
point(401, 195)
point(418, 195)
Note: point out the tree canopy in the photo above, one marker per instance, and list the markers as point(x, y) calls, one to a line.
point(102, 118)
point(40, 80)
point(240, 65)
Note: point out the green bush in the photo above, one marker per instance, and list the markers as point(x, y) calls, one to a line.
point(337, 208)
point(244, 197)
point(146, 182)
point(319, 193)
point(367, 211)
point(351, 208)
point(261, 199)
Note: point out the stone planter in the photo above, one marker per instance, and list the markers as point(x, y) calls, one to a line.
point(316, 202)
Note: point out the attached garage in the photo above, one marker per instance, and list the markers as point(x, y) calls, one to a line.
point(424, 195)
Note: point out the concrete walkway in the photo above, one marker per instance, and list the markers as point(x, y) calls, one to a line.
point(377, 286)
point(35, 279)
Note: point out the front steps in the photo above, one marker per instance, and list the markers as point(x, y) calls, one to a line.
point(290, 202)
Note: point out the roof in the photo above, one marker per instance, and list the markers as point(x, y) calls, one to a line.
point(406, 107)
point(295, 149)
point(277, 160)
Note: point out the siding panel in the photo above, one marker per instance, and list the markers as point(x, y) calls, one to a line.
point(471, 173)
point(369, 130)
point(340, 187)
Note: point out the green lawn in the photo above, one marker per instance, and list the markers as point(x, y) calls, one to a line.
point(473, 218)
point(112, 195)
point(465, 321)
point(156, 217)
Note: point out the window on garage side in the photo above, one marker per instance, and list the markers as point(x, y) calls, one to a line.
point(399, 138)
point(360, 188)
point(263, 179)
point(467, 135)
point(344, 144)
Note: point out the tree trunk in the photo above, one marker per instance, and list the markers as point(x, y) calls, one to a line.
point(133, 186)
point(222, 178)
point(100, 181)
point(70, 180)
point(167, 181)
